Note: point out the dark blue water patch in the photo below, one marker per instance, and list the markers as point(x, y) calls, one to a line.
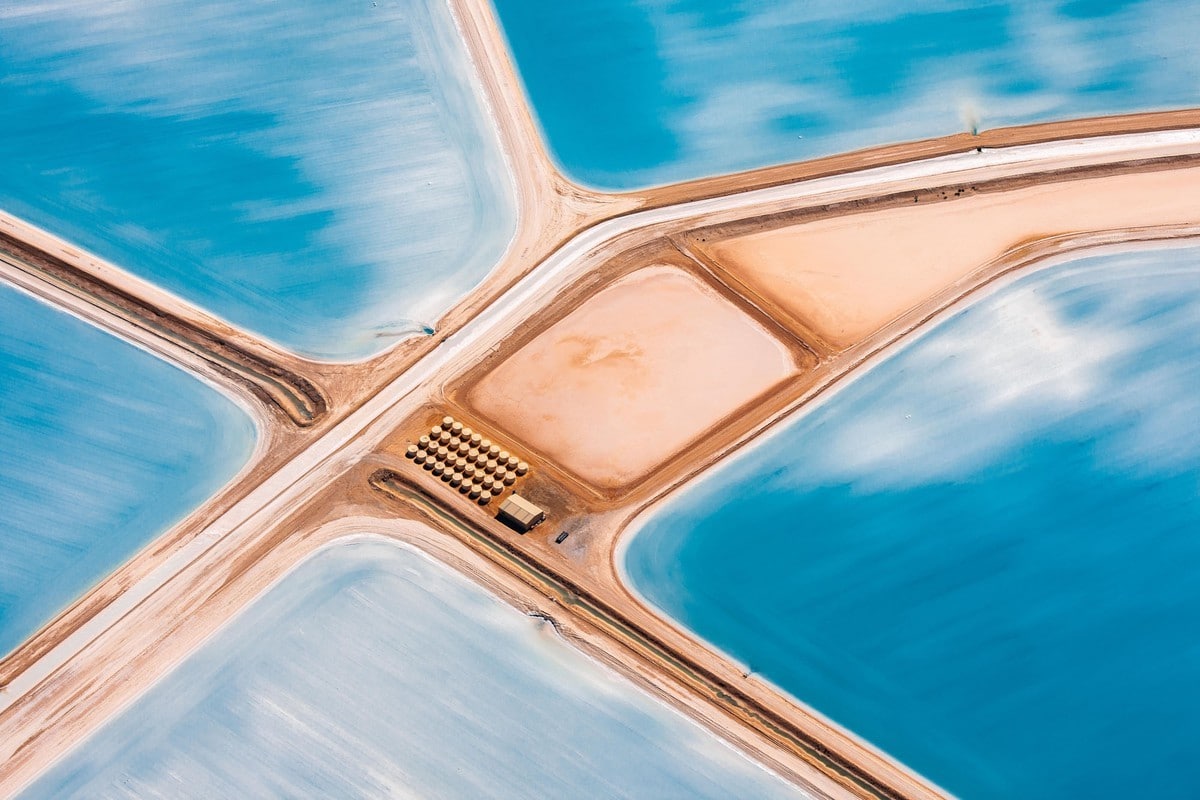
point(185, 179)
point(877, 59)
point(325, 176)
point(610, 123)
point(1095, 9)
point(102, 447)
point(726, 85)
point(978, 563)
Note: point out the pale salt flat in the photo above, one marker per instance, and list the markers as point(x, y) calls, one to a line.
point(373, 671)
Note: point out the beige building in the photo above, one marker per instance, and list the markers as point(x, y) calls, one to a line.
point(519, 513)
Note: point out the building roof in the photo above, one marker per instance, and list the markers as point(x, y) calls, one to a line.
point(522, 512)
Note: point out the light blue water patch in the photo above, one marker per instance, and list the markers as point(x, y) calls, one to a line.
point(321, 173)
point(631, 93)
point(102, 446)
point(981, 556)
point(372, 671)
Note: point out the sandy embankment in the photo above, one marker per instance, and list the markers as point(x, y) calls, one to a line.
point(842, 279)
point(903, 152)
point(99, 293)
point(627, 379)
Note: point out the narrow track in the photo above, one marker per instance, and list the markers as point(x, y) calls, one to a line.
point(295, 397)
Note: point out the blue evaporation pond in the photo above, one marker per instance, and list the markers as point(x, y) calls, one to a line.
point(373, 671)
point(102, 446)
point(632, 93)
point(321, 173)
point(980, 556)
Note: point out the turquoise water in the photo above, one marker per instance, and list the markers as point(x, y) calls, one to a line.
point(980, 556)
point(102, 446)
point(637, 92)
point(320, 173)
point(372, 671)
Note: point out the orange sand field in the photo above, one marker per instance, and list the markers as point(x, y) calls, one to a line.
point(633, 375)
point(844, 278)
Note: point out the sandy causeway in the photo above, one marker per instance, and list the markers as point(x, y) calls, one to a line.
point(846, 277)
